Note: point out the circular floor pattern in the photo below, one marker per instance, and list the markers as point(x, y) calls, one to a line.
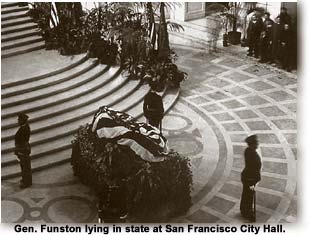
point(34, 213)
point(14, 210)
point(77, 209)
point(178, 123)
point(205, 159)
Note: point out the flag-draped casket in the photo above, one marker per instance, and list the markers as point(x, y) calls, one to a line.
point(129, 166)
point(144, 139)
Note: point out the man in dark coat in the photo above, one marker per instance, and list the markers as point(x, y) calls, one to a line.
point(23, 150)
point(285, 17)
point(254, 31)
point(266, 39)
point(286, 38)
point(249, 177)
point(275, 46)
point(153, 106)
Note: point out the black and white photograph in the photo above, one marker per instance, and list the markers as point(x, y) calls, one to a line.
point(149, 112)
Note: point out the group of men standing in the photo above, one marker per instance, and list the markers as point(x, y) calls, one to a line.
point(272, 42)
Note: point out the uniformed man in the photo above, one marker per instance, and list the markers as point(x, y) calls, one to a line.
point(153, 106)
point(249, 177)
point(23, 150)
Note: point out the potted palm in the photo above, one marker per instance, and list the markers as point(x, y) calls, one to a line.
point(232, 16)
point(235, 15)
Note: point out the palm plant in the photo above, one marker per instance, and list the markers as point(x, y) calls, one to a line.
point(235, 15)
point(163, 41)
point(139, 31)
point(151, 24)
point(140, 37)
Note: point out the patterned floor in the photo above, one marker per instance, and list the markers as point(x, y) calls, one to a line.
point(224, 100)
point(236, 98)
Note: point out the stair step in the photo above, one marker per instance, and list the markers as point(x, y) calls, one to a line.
point(63, 154)
point(50, 159)
point(66, 112)
point(22, 49)
point(66, 81)
point(49, 81)
point(73, 70)
point(63, 140)
point(18, 28)
point(85, 117)
point(67, 105)
point(38, 74)
point(9, 4)
point(20, 42)
point(14, 15)
point(18, 21)
point(41, 129)
point(133, 100)
point(96, 79)
point(12, 9)
point(20, 34)
point(53, 128)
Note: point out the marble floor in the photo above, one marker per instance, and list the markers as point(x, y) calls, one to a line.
point(227, 99)
point(224, 99)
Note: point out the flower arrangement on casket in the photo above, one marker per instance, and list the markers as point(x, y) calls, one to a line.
point(129, 166)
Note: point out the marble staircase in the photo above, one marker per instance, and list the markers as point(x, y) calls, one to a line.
point(19, 33)
point(59, 102)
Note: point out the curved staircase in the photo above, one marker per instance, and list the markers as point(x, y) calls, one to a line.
point(58, 102)
point(19, 34)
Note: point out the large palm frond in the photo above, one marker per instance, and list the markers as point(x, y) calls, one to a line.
point(174, 26)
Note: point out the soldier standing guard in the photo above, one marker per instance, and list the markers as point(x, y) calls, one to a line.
point(249, 178)
point(275, 47)
point(23, 150)
point(153, 106)
point(286, 38)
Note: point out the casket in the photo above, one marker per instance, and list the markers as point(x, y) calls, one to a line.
point(130, 168)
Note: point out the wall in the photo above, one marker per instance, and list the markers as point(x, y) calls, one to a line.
point(272, 7)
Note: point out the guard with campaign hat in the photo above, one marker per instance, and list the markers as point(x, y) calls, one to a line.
point(249, 178)
point(23, 150)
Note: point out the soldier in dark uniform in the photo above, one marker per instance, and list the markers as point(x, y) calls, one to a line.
point(286, 38)
point(266, 39)
point(153, 106)
point(277, 28)
point(23, 150)
point(254, 31)
point(249, 177)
